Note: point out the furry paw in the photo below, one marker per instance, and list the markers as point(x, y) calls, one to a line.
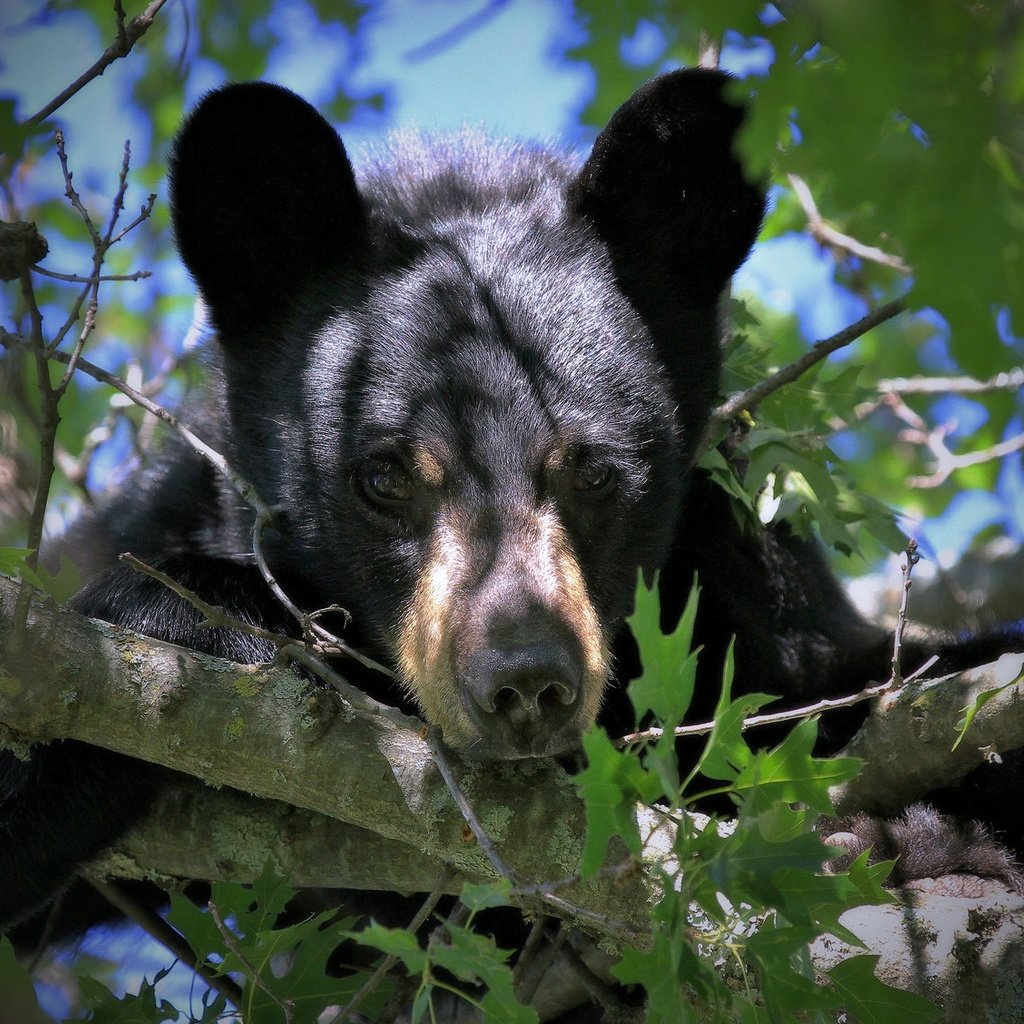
point(924, 844)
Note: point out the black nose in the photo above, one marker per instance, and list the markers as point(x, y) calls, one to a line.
point(530, 686)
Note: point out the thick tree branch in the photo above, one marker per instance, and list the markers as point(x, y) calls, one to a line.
point(265, 730)
point(922, 717)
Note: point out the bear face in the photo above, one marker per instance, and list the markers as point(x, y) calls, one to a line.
point(456, 378)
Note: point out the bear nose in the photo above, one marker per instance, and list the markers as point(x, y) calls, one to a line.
point(529, 686)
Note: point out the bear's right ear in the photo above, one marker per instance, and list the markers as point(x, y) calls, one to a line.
point(263, 198)
point(666, 192)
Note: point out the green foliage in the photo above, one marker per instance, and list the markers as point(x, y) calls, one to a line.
point(59, 585)
point(17, 997)
point(455, 952)
point(752, 895)
point(972, 709)
point(920, 157)
point(278, 964)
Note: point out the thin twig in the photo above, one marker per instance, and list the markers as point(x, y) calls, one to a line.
point(289, 647)
point(890, 389)
point(949, 462)
point(828, 236)
point(127, 36)
point(780, 717)
point(172, 940)
point(265, 514)
point(230, 941)
point(1008, 380)
point(529, 950)
point(311, 629)
point(502, 869)
point(456, 33)
point(906, 568)
point(139, 275)
point(485, 841)
point(819, 350)
point(353, 695)
point(216, 616)
point(919, 432)
point(390, 960)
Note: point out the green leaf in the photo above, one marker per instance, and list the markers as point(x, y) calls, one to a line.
point(476, 958)
point(870, 1001)
point(786, 985)
point(979, 702)
point(18, 993)
point(664, 971)
point(665, 686)
point(725, 751)
point(791, 774)
point(59, 585)
point(393, 942)
point(486, 894)
point(610, 786)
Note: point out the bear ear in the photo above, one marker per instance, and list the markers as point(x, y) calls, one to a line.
point(665, 191)
point(263, 198)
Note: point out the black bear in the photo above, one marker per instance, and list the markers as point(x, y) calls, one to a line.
point(475, 381)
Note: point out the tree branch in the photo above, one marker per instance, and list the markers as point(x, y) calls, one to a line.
point(267, 731)
point(127, 36)
point(819, 350)
point(923, 717)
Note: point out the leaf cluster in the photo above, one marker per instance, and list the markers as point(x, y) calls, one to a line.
point(751, 895)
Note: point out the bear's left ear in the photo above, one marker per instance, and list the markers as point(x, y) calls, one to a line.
point(263, 199)
point(666, 193)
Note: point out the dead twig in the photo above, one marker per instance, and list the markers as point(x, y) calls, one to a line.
point(826, 235)
point(780, 717)
point(906, 568)
point(127, 36)
point(289, 647)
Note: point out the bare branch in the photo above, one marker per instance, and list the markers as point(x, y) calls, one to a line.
point(139, 275)
point(907, 567)
point(818, 351)
point(127, 36)
point(826, 235)
point(948, 462)
point(1008, 380)
point(780, 717)
point(456, 33)
point(919, 432)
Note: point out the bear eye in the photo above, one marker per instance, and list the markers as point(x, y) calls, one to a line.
point(387, 481)
point(594, 477)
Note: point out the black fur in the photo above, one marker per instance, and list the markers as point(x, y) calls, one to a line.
point(549, 336)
